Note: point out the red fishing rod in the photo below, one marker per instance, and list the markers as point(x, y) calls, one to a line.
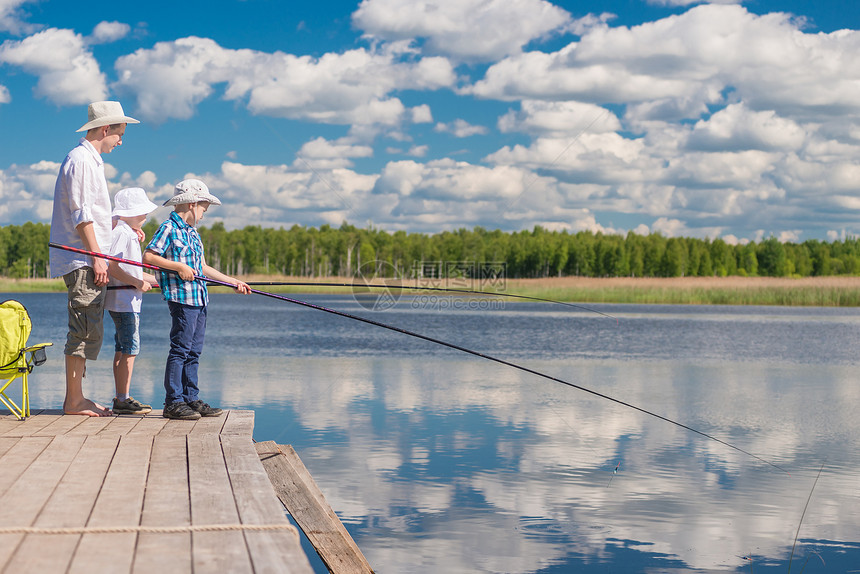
point(431, 340)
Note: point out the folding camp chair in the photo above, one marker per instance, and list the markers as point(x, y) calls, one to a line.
point(16, 358)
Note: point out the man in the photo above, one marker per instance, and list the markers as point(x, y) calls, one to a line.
point(82, 218)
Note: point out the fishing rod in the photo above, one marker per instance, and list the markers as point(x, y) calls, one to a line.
point(431, 340)
point(421, 288)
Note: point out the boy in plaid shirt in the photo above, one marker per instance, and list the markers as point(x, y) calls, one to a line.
point(176, 246)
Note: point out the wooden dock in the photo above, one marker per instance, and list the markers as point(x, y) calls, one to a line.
point(141, 495)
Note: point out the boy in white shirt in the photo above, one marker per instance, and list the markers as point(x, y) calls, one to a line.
point(125, 291)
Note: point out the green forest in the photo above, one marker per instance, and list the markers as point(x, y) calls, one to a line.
point(348, 251)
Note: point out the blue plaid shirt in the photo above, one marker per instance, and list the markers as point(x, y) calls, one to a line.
point(178, 241)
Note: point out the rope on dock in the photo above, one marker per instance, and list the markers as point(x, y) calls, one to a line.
point(147, 529)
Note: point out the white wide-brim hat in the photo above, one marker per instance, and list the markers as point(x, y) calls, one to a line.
point(191, 191)
point(106, 114)
point(131, 202)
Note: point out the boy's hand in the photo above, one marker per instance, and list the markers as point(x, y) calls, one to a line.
point(242, 287)
point(140, 235)
point(186, 272)
point(144, 285)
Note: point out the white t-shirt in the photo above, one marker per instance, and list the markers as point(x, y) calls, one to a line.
point(124, 244)
point(80, 196)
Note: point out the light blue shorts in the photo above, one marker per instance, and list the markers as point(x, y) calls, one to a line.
point(127, 336)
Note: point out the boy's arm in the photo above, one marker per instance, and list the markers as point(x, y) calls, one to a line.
point(213, 273)
point(117, 272)
point(184, 271)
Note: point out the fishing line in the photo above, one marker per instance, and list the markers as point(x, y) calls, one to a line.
point(416, 288)
point(419, 288)
point(805, 507)
point(431, 340)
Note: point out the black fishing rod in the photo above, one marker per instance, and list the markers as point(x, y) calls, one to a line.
point(431, 340)
point(424, 288)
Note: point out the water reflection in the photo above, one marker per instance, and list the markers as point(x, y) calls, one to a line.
point(442, 462)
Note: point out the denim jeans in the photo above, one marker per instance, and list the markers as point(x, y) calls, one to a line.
point(127, 336)
point(186, 343)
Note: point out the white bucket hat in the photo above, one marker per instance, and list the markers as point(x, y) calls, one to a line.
point(106, 114)
point(191, 191)
point(131, 202)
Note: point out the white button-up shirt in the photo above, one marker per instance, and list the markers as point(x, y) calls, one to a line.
point(80, 196)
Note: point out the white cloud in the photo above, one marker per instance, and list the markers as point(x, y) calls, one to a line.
point(324, 154)
point(5, 96)
point(669, 227)
point(11, 19)
point(675, 3)
point(106, 32)
point(27, 192)
point(736, 128)
point(789, 236)
point(450, 180)
point(602, 157)
point(68, 73)
point(558, 119)
point(170, 79)
point(461, 29)
point(422, 114)
point(460, 128)
point(687, 61)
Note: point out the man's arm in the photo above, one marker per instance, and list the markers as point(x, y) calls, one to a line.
point(88, 237)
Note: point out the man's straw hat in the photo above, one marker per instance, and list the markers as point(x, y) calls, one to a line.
point(106, 114)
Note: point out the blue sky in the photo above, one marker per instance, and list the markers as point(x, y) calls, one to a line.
point(729, 119)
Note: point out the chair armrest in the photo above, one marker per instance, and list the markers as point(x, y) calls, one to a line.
point(37, 347)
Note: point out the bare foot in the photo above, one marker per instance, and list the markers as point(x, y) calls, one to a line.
point(88, 408)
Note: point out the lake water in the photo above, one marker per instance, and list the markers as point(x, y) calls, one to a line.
point(440, 461)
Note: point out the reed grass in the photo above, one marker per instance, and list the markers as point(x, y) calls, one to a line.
point(813, 291)
point(8, 285)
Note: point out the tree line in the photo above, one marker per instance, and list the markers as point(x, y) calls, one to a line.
point(348, 251)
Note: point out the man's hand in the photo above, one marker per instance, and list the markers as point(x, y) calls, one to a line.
point(100, 267)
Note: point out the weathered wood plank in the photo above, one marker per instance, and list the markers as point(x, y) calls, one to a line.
point(177, 428)
point(16, 460)
point(304, 500)
point(6, 443)
point(90, 425)
point(121, 425)
point(28, 494)
point(61, 425)
point(165, 503)
point(148, 426)
point(69, 506)
point(34, 423)
point(8, 422)
point(211, 425)
point(212, 503)
point(239, 423)
point(140, 471)
point(271, 551)
point(119, 503)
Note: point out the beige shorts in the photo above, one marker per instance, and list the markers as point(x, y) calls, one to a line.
point(86, 314)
